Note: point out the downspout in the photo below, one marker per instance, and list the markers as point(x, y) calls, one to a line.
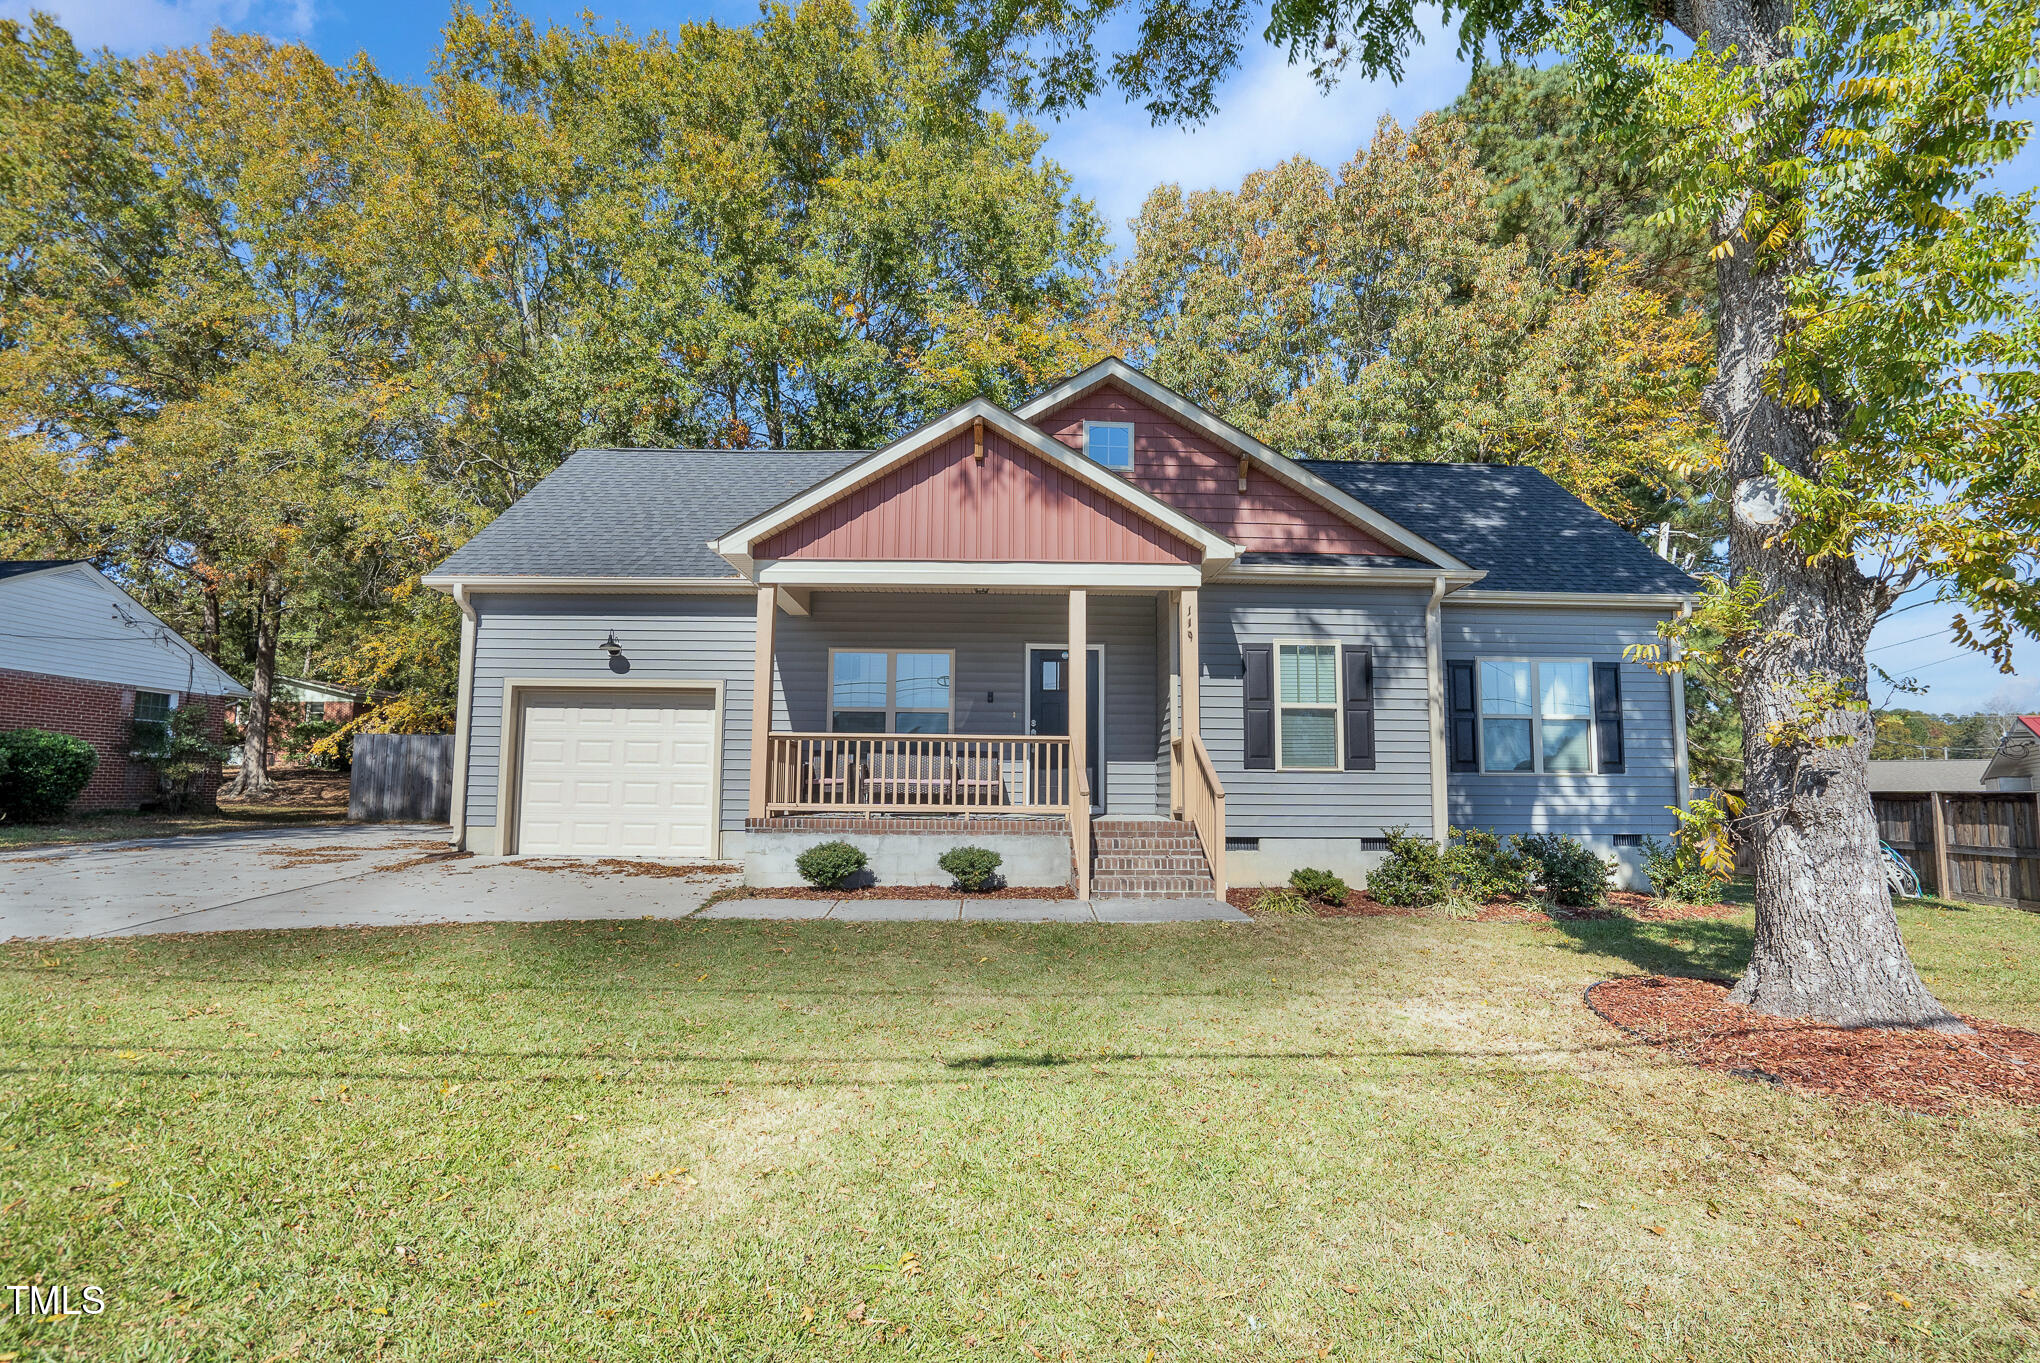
point(1679, 760)
point(461, 717)
point(1434, 650)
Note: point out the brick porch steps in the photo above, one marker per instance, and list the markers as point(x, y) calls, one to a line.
point(1148, 859)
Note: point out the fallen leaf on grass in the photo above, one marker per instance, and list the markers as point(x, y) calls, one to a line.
point(1905, 1302)
point(1349, 1289)
point(1657, 1230)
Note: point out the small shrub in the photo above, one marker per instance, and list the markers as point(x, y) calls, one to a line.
point(182, 755)
point(1483, 867)
point(1284, 900)
point(1569, 872)
point(973, 867)
point(1322, 886)
point(313, 743)
point(827, 865)
point(41, 773)
point(1414, 874)
point(1677, 873)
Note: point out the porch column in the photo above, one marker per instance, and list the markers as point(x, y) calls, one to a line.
point(1186, 663)
point(761, 700)
point(1079, 682)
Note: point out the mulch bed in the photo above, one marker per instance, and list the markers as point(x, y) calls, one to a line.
point(1619, 904)
point(1907, 1067)
point(904, 892)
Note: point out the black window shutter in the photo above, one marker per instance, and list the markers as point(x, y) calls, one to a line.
point(1465, 744)
point(1358, 662)
point(1259, 699)
point(1608, 713)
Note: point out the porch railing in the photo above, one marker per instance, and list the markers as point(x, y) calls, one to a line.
point(1203, 804)
point(921, 773)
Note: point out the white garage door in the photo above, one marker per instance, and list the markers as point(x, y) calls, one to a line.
point(624, 774)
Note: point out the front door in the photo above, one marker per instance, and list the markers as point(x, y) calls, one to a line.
point(1048, 708)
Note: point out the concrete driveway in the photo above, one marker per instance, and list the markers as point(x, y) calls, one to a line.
point(341, 875)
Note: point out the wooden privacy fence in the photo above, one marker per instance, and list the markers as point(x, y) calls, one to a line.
point(404, 778)
point(1983, 847)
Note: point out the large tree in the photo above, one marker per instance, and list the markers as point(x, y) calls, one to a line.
point(1382, 313)
point(1876, 351)
point(275, 337)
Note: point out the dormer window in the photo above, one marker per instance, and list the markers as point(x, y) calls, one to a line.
point(1110, 443)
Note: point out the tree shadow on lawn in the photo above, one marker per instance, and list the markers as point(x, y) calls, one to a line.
point(1694, 948)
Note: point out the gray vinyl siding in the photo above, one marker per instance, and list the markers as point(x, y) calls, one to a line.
point(711, 638)
point(706, 638)
point(1320, 804)
point(1596, 805)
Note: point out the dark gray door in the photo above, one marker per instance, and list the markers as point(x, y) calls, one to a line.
point(1048, 708)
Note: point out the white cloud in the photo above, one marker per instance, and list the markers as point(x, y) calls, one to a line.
point(133, 26)
point(1268, 112)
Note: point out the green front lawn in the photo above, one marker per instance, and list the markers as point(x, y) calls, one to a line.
point(1373, 1138)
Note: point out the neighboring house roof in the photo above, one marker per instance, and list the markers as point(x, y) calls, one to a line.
point(16, 567)
point(2018, 754)
point(1530, 534)
point(65, 618)
point(638, 513)
point(1921, 775)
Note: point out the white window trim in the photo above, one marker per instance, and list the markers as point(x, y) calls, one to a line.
point(1126, 426)
point(1536, 718)
point(1338, 701)
point(892, 710)
point(169, 709)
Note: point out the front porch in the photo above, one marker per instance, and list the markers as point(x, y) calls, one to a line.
point(921, 717)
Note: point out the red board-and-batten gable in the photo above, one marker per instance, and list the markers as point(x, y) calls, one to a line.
point(1189, 471)
point(943, 505)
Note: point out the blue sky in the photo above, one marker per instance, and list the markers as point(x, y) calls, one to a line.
point(1268, 112)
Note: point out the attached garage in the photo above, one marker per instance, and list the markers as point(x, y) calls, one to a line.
point(615, 771)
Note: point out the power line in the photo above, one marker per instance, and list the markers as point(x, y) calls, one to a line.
point(1930, 634)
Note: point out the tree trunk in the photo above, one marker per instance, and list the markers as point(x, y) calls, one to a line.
point(253, 781)
point(1827, 943)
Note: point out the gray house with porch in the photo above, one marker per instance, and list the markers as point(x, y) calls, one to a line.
point(1282, 659)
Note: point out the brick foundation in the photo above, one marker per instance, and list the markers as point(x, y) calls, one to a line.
point(101, 713)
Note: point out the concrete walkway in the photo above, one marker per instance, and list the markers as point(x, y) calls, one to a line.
point(983, 910)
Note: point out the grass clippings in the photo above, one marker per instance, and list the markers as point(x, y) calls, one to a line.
point(903, 892)
point(1907, 1067)
point(620, 866)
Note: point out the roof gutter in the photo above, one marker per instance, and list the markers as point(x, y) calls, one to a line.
point(678, 586)
point(1659, 600)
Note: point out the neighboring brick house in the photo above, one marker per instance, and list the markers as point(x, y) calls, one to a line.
point(80, 656)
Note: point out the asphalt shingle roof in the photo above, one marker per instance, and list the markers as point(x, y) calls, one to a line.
point(650, 513)
point(639, 513)
point(1530, 534)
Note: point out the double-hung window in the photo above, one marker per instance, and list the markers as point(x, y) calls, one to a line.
point(152, 721)
point(1307, 706)
point(900, 692)
point(1109, 443)
point(1536, 716)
